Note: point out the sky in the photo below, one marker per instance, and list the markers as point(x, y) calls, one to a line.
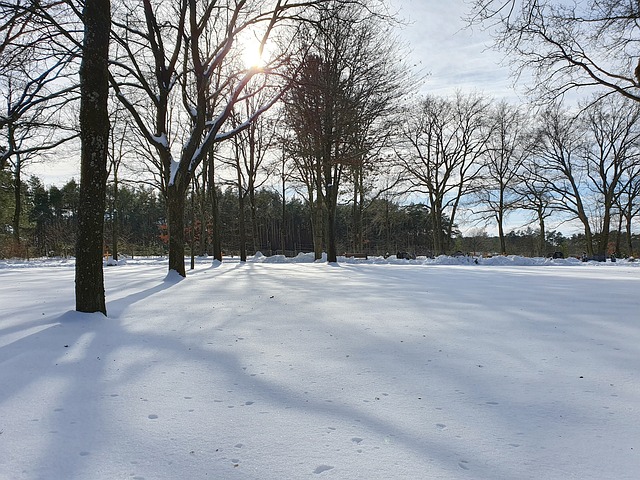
point(453, 55)
point(513, 368)
point(440, 48)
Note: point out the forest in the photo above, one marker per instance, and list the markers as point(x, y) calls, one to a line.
point(235, 127)
point(135, 226)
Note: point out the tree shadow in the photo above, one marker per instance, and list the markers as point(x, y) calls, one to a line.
point(81, 355)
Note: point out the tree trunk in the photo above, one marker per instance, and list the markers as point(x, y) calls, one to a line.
point(438, 231)
point(588, 236)
point(114, 217)
point(542, 242)
point(241, 221)
point(503, 243)
point(175, 223)
point(628, 220)
point(17, 195)
point(331, 204)
point(619, 234)
point(284, 210)
point(603, 239)
point(216, 239)
point(192, 236)
point(317, 221)
point(94, 137)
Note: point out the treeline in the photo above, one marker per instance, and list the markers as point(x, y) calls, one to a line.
point(135, 223)
point(48, 224)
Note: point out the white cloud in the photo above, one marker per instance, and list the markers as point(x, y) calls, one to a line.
point(453, 55)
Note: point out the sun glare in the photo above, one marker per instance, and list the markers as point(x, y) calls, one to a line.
point(251, 55)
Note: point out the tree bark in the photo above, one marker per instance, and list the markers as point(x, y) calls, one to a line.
point(216, 237)
point(17, 192)
point(241, 219)
point(542, 244)
point(176, 199)
point(331, 203)
point(114, 217)
point(94, 136)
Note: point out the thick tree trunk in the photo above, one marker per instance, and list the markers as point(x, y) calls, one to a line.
point(588, 237)
point(175, 223)
point(94, 136)
point(619, 234)
point(603, 239)
point(542, 242)
point(503, 243)
point(317, 228)
point(438, 230)
point(331, 200)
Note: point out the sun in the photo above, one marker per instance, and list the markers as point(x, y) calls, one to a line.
point(252, 55)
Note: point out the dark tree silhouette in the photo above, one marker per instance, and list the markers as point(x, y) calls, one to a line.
point(94, 135)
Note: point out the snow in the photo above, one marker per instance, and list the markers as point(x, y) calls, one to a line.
point(175, 166)
point(440, 368)
point(161, 139)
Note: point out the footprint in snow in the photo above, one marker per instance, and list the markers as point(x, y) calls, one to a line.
point(322, 468)
point(463, 464)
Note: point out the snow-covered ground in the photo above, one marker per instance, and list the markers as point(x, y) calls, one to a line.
point(279, 369)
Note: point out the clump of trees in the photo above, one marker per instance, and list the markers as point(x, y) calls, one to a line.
point(50, 223)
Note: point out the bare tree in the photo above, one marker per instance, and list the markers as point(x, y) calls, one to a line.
point(535, 196)
point(629, 202)
point(568, 45)
point(119, 136)
point(586, 159)
point(348, 88)
point(506, 151)
point(35, 60)
point(445, 140)
point(250, 151)
point(612, 153)
point(559, 143)
point(179, 77)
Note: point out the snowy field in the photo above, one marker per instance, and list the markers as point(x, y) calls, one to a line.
point(438, 369)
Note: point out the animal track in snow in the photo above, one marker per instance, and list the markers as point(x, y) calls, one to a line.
point(441, 426)
point(322, 468)
point(463, 464)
